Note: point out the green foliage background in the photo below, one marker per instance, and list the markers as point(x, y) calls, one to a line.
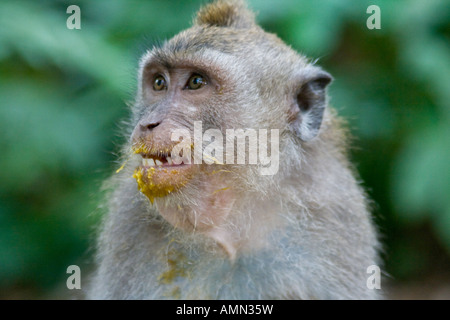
point(63, 94)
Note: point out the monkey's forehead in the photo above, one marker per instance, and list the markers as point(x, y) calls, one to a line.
point(204, 59)
point(213, 44)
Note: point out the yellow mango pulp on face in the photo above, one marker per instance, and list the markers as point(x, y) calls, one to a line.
point(147, 186)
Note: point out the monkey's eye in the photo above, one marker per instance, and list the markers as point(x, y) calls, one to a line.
point(195, 82)
point(159, 83)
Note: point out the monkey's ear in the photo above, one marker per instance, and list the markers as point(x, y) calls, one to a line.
point(309, 104)
point(226, 13)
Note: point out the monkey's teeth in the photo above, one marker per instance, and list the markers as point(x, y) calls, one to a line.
point(151, 162)
point(148, 162)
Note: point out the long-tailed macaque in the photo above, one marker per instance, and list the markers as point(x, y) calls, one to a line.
point(235, 182)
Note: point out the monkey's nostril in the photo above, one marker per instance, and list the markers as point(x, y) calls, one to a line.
point(149, 126)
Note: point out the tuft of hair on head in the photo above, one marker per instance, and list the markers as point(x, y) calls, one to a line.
point(226, 13)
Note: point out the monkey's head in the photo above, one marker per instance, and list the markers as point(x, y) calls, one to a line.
point(223, 73)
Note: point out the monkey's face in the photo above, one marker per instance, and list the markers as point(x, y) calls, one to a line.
point(178, 99)
point(172, 100)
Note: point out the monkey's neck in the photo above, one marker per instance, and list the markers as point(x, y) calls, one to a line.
point(236, 225)
point(207, 215)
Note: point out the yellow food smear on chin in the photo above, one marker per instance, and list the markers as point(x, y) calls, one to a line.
point(148, 187)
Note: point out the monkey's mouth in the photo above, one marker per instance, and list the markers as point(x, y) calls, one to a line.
point(159, 175)
point(159, 160)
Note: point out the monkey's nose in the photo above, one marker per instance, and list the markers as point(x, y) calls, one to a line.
point(148, 126)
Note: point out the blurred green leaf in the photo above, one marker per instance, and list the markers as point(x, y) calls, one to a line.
point(421, 178)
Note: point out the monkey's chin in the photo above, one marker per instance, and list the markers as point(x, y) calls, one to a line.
point(161, 181)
